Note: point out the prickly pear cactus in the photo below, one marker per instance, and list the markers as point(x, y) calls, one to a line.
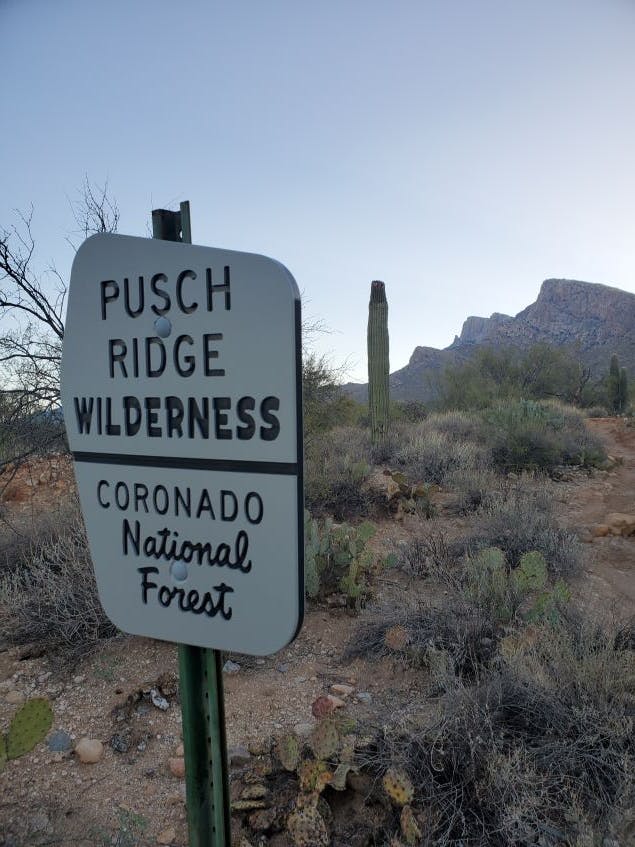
point(307, 828)
point(3, 752)
point(409, 827)
point(29, 726)
point(314, 776)
point(398, 787)
point(289, 751)
point(325, 739)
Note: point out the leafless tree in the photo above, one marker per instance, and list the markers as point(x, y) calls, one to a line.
point(32, 312)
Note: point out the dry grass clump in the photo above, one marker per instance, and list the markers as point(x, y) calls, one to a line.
point(452, 640)
point(542, 752)
point(431, 456)
point(336, 464)
point(51, 602)
point(519, 520)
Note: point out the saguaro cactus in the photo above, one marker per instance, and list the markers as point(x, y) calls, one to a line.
point(378, 361)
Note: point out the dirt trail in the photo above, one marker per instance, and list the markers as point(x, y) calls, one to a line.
point(608, 580)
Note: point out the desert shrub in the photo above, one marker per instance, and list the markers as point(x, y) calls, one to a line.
point(430, 554)
point(336, 465)
point(462, 425)
point(519, 521)
point(540, 752)
point(451, 640)
point(596, 412)
point(528, 435)
point(52, 603)
point(431, 456)
point(471, 489)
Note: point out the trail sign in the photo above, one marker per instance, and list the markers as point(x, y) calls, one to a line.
point(181, 391)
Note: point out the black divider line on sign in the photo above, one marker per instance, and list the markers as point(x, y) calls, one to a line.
point(184, 463)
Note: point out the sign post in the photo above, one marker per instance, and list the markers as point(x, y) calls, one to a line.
point(181, 388)
point(200, 680)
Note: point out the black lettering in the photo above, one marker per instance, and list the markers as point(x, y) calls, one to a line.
point(259, 507)
point(145, 583)
point(210, 353)
point(132, 415)
point(186, 501)
point(246, 405)
point(154, 287)
point(130, 536)
point(152, 417)
point(221, 430)
point(111, 428)
point(122, 503)
point(101, 484)
point(126, 297)
point(175, 412)
point(225, 515)
point(107, 298)
point(205, 505)
point(271, 432)
point(179, 292)
point(188, 360)
point(140, 496)
point(198, 417)
point(160, 489)
point(212, 289)
point(84, 413)
point(119, 356)
point(155, 342)
point(166, 595)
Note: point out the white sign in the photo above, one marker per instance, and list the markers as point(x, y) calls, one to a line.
point(182, 401)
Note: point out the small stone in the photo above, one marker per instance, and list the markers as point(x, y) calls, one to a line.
point(39, 822)
point(180, 751)
point(168, 836)
point(336, 702)
point(177, 766)
point(364, 696)
point(238, 756)
point(342, 690)
point(120, 742)
point(260, 662)
point(283, 668)
point(601, 530)
point(159, 701)
point(89, 750)
point(231, 667)
point(79, 679)
point(14, 697)
point(59, 741)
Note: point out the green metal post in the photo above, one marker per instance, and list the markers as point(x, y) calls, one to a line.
point(201, 681)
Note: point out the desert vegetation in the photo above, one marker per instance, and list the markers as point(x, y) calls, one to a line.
point(436, 554)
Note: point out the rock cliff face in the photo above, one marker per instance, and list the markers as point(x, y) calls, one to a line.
point(593, 319)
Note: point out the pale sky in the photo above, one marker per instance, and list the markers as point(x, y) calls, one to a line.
point(460, 150)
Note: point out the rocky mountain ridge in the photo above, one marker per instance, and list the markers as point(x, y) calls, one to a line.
point(594, 320)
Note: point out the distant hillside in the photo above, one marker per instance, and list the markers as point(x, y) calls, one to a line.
point(596, 320)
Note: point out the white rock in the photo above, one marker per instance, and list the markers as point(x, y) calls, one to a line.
point(89, 750)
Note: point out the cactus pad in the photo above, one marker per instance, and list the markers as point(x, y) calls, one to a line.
point(3, 752)
point(307, 828)
point(289, 751)
point(325, 739)
point(398, 787)
point(409, 827)
point(29, 726)
point(314, 776)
